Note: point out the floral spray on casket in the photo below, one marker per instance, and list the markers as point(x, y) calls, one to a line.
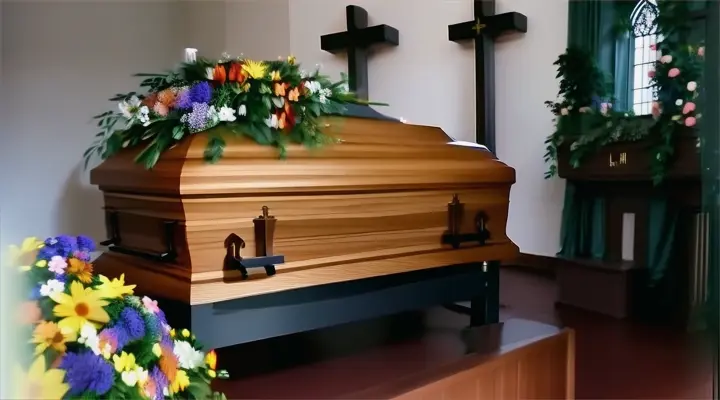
point(91, 338)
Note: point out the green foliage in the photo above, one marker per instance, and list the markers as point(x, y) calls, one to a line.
point(273, 103)
point(584, 119)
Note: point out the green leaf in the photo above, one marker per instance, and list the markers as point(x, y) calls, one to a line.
point(199, 391)
point(279, 102)
point(178, 132)
point(214, 150)
point(267, 102)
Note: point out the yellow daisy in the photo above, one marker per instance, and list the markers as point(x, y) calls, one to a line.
point(111, 289)
point(80, 306)
point(24, 256)
point(256, 69)
point(39, 383)
point(181, 382)
point(48, 335)
point(83, 270)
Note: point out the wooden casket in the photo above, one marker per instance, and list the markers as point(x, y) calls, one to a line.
point(388, 199)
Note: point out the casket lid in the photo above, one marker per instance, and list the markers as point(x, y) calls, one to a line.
point(371, 155)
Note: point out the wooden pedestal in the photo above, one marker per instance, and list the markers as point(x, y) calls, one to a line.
point(603, 287)
point(517, 359)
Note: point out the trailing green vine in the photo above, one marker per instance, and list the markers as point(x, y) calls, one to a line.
point(583, 114)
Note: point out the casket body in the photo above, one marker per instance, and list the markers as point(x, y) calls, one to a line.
point(374, 204)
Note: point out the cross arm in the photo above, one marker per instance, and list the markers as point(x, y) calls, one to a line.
point(505, 23)
point(364, 38)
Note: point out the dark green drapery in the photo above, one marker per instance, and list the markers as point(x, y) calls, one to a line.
point(593, 25)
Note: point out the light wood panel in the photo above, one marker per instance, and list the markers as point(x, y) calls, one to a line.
point(380, 193)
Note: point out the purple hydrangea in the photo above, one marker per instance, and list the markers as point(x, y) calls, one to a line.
point(132, 322)
point(85, 244)
point(183, 100)
point(87, 372)
point(161, 381)
point(201, 92)
point(82, 255)
point(197, 119)
point(62, 245)
point(47, 252)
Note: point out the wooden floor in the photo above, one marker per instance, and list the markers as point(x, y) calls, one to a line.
point(615, 359)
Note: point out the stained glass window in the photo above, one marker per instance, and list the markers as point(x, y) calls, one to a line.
point(645, 37)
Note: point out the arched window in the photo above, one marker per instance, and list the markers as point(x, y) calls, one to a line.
point(644, 31)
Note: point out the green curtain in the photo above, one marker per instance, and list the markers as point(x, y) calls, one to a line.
point(662, 224)
point(583, 229)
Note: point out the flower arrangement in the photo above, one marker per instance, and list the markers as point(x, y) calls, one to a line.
point(91, 338)
point(587, 123)
point(272, 102)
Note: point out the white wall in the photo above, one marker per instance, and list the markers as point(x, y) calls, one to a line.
point(429, 80)
point(61, 61)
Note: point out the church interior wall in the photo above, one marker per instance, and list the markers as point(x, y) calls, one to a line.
point(67, 69)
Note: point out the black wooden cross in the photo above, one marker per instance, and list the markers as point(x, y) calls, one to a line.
point(484, 29)
point(356, 41)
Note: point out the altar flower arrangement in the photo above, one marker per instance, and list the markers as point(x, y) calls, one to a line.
point(91, 338)
point(272, 102)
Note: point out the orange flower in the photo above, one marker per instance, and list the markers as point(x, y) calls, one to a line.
point(83, 270)
point(294, 94)
point(47, 335)
point(236, 73)
point(168, 363)
point(167, 97)
point(280, 89)
point(211, 359)
point(150, 100)
point(219, 74)
point(29, 313)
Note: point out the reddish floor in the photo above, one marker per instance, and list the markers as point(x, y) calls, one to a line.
point(615, 359)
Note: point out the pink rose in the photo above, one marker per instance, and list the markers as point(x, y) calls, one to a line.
point(653, 47)
point(666, 59)
point(655, 109)
point(701, 51)
point(688, 108)
point(674, 72)
point(651, 74)
point(692, 86)
point(151, 305)
point(690, 122)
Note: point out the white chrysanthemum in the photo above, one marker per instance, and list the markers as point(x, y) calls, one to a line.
point(51, 287)
point(242, 110)
point(89, 337)
point(226, 114)
point(188, 357)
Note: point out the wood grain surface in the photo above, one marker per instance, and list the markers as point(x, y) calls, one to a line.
point(380, 193)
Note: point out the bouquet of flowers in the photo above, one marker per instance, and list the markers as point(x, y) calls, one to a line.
point(272, 102)
point(91, 338)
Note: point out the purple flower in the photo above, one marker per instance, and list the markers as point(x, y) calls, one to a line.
point(85, 244)
point(82, 255)
point(197, 119)
point(117, 335)
point(47, 252)
point(154, 327)
point(161, 381)
point(132, 322)
point(200, 92)
point(86, 372)
point(62, 245)
point(35, 293)
point(183, 101)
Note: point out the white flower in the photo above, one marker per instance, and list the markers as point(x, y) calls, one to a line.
point(226, 114)
point(209, 73)
point(129, 107)
point(89, 337)
point(313, 86)
point(52, 287)
point(188, 357)
point(225, 57)
point(666, 59)
point(272, 121)
point(691, 86)
point(323, 99)
point(242, 110)
point(303, 74)
point(131, 378)
point(190, 55)
point(678, 102)
point(213, 116)
point(564, 111)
